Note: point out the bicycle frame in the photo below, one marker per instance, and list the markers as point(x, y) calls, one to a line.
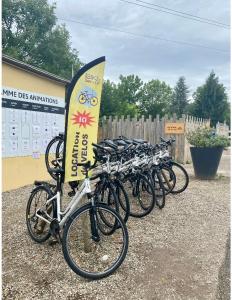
point(85, 188)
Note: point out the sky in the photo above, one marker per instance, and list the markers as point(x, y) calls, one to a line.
point(151, 58)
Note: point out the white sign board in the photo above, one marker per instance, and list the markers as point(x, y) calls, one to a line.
point(29, 121)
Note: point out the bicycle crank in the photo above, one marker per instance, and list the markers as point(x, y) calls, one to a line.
point(55, 229)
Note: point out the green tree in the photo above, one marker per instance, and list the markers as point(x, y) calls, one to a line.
point(155, 98)
point(30, 34)
point(190, 108)
point(128, 109)
point(180, 97)
point(108, 101)
point(111, 104)
point(59, 57)
point(227, 115)
point(211, 100)
point(129, 89)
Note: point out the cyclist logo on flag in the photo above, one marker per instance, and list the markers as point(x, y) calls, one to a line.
point(88, 97)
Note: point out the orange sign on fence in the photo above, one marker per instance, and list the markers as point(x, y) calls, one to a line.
point(174, 128)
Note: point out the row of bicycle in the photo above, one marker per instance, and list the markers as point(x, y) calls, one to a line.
point(129, 177)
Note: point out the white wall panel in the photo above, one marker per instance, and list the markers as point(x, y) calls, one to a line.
point(25, 132)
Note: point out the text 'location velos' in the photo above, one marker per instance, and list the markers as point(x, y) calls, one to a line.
point(81, 124)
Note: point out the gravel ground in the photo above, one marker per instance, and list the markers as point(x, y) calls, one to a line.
point(174, 253)
point(223, 292)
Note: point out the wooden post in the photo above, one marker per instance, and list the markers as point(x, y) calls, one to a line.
point(109, 129)
point(115, 127)
point(127, 132)
point(174, 152)
point(86, 229)
point(182, 142)
point(149, 129)
point(157, 129)
point(162, 125)
point(122, 125)
point(133, 127)
point(103, 127)
point(141, 131)
point(145, 130)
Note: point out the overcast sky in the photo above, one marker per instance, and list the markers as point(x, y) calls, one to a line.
point(150, 58)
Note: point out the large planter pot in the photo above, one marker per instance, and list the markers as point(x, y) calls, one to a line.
point(206, 161)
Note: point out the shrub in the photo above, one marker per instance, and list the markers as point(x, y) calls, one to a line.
point(206, 137)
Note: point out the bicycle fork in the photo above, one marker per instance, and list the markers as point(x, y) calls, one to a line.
point(93, 222)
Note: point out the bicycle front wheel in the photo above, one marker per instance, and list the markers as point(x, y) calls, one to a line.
point(94, 101)
point(168, 179)
point(88, 251)
point(141, 195)
point(124, 204)
point(159, 189)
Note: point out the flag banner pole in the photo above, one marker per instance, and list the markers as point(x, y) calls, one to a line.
point(83, 99)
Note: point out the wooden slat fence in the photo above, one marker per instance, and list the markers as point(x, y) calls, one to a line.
point(151, 129)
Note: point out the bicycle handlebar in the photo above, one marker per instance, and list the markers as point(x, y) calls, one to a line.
point(101, 148)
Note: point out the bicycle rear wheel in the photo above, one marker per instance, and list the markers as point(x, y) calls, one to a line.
point(38, 229)
point(54, 151)
point(182, 178)
point(90, 257)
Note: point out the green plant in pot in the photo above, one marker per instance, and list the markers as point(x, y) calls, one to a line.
point(206, 151)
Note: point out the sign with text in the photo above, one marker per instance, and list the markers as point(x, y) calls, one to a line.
point(26, 100)
point(29, 121)
point(81, 120)
point(174, 128)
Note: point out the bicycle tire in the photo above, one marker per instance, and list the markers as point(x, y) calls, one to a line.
point(49, 155)
point(123, 200)
point(185, 175)
point(94, 101)
point(107, 195)
point(159, 191)
point(60, 149)
point(138, 208)
point(40, 237)
point(82, 98)
point(71, 254)
point(168, 182)
point(110, 200)
point(116, 200)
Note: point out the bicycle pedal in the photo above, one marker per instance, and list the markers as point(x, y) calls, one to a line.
point(53, 242)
